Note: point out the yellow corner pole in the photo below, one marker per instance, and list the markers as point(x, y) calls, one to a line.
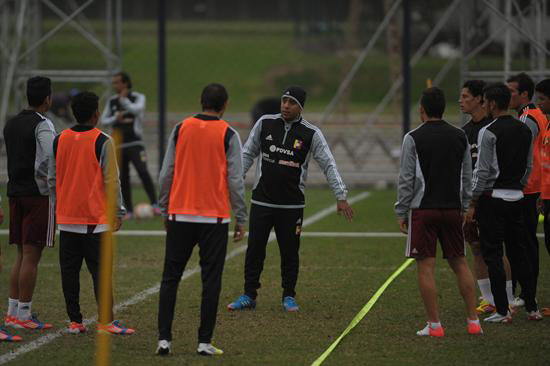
point(103, 339)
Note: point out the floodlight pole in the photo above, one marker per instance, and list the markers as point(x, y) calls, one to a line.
point(406, 64)
point(161, 78)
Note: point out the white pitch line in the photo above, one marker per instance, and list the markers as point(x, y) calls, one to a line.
point(306, 234)
point(140, 296)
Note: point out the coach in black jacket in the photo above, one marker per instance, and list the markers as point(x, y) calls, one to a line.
point(285, 143)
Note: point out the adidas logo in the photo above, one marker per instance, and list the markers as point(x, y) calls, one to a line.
point(414, 251)
point(269, 138)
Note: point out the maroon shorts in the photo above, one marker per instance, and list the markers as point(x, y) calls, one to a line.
point(426, 226)
point(32, 221)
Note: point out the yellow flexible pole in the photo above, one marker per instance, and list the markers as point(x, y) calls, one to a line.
point(103, 339)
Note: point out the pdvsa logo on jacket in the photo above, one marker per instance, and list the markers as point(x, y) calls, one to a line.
point(280, 150)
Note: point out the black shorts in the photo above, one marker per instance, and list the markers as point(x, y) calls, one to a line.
point(32, 221)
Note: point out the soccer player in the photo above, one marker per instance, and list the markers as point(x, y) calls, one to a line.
point(434, 189)
point(542, 91)
point(200, 179)
point(82, 167)
point(471, 100)
point(522, 89)
point(28, 138)
point(284, 143)
point(124, 112)
point(502, 170)
point(5, 336)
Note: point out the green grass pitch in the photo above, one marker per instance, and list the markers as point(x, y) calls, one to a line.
point(337, 277)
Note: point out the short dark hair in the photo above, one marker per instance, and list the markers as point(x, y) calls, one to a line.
point(125, 78)
point(38, 89)
point(475, 87)
point(525, 83)
point(544, 87)
point(499, 93)
point(213, 97)
point(433, 102)
point(84, 105)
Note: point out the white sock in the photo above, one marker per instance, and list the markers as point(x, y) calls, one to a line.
point(24, 311)
point(12, 306)
point(435, 325)
point(485, 288)
point(473, 321)
point(509, 291)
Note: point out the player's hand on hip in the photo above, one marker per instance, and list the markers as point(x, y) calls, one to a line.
point(238, 233)
point(343, 208)
point(403, 226)
point(469, 215)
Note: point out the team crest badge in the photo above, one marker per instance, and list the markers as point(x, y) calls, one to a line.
point(298, 144)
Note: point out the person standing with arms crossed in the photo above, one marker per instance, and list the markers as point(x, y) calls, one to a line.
point(28, 138)
point(124, 111)
point(434, 190)
point(284, 144)
point(200, 181)
point(82, 168)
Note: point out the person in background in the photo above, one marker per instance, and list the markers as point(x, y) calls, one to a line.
point(124, 112)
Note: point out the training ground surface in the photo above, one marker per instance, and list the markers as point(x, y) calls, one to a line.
point(338, 275)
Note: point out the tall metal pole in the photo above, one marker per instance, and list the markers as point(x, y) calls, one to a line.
point(406, 54)
point(161, 78)
point(508, 40)
point(12, 60)
point(540, 16)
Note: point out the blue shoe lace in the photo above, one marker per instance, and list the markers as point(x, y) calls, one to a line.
point(290, 303)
